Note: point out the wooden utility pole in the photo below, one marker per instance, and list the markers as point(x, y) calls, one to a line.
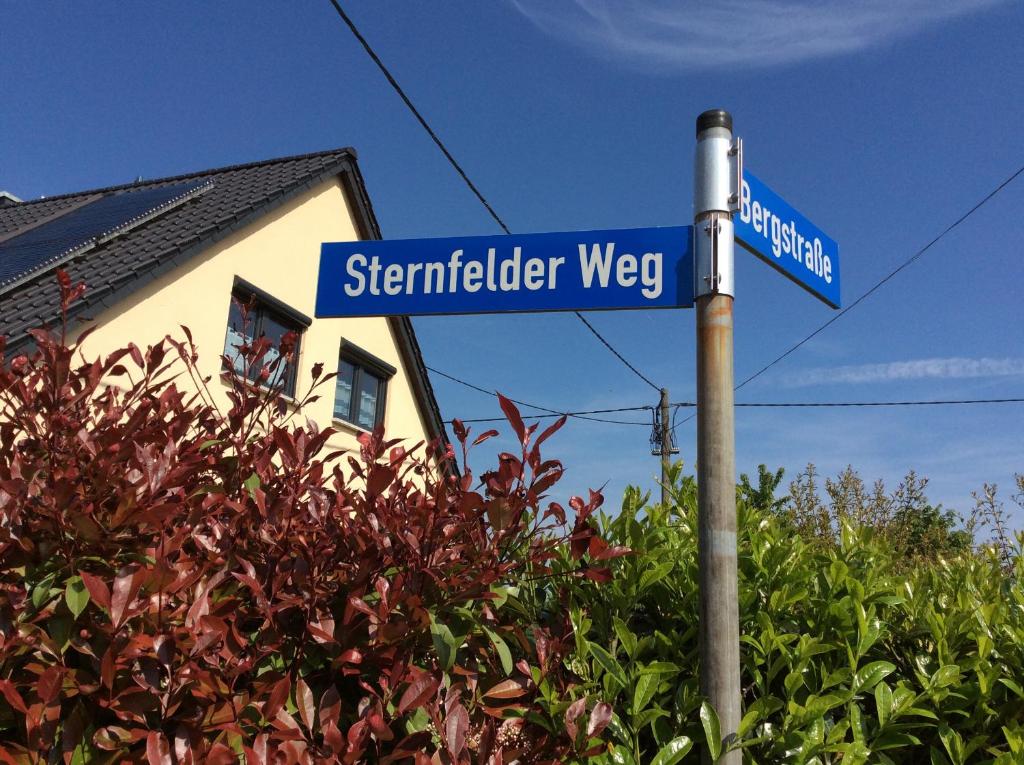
point(666, 445)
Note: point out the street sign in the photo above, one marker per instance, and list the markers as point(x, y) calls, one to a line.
point(775, 232)
point(562, 271)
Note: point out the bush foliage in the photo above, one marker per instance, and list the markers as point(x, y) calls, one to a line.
point(849, 654)
point(180, 584)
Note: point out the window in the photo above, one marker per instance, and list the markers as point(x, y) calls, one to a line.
point(267, 317)
point(360, 390)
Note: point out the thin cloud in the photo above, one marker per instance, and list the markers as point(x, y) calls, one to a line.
point(668, 33)
point(916, 369)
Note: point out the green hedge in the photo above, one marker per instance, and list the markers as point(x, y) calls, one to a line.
point(849, 653)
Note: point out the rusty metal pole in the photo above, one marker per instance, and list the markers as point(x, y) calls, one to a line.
point(715, 182)
point(666, 446)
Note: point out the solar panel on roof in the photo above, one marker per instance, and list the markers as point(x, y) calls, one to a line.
point(85, 226)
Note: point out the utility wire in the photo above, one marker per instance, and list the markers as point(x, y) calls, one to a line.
point(462, 173)
point(875, 287)
point(569, 414)
point(617, 354)
point(553, 412)
point(776, 405)
point(884, 279)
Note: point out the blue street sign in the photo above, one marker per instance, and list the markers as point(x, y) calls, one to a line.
point(564, 271)
point(775, 232)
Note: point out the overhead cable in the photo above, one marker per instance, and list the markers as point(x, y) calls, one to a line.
point(553, 412)
point(876, 286)
point(458, 168)
point(774, 405)
point(884, 279)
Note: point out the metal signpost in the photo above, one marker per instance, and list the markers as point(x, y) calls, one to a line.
point(671, 267)
point(717, 168)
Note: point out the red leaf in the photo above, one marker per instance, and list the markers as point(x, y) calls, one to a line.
point(380, 478)
point(549, 431)
point(416, 695)
point(126, 587)
point(220, 755)
point(599, 719)
point(333, 738)
point(330, 707)
point(455, 726)
point(611, 552)
point(49, 684)
point(13, 697)
point(98, 590)
point(572, 714)
point(277, 697)
point(506, 689)
point(484, 436)
point(598, 574)
point(514, 418)
point(304, 701)
point(158, 751)
point(378, 726)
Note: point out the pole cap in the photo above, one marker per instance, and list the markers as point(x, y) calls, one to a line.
point(713, 118)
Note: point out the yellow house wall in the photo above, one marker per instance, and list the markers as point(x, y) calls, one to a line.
point(279, 253)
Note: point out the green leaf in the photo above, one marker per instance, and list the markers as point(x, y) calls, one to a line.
point(504, 654)
point(60, 627)
point(894, 740)
point(663, 667)
point(673, 751)
point(1013, 686)
point(652, 575)
point(41, 592)
point(251, 484)
point(945, 675)
point(608, 664)
point(627, 638)
point(883, 703)
point(76, 595)
point(646, 686)
point(620, 755)
point(445, 644)
point(758, 711)
point(870, 675)
point(953, 743)
point(712, 730)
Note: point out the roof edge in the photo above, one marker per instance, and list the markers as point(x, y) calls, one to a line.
point(409, 347)
point(349, 151)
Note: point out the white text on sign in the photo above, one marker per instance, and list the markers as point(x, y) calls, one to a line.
point(599, 267)
point(785, 237)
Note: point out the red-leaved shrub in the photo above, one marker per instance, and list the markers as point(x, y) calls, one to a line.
point(180, 584)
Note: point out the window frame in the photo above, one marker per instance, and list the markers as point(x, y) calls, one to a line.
point(362, 360)
point(265, 305)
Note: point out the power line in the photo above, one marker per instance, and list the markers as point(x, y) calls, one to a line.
point(875, 287)
point(569, 414)
point(553, 412)
point(946, 402)
point(617, 354)
point(771, 404)
point(458, 168)
point(884, 279)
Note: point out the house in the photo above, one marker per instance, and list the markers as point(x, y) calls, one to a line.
point(158, 254)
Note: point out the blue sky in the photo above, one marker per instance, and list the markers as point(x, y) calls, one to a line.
point(882, 122)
